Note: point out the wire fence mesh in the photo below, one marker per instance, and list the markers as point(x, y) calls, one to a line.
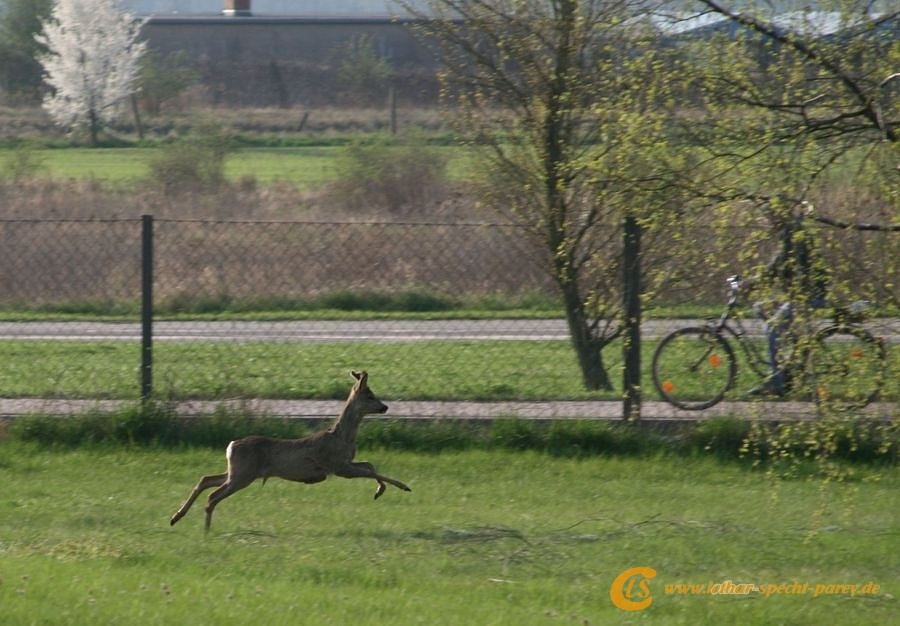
point(248, 309)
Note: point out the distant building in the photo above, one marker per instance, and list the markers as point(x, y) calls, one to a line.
point(384, 8)
point(288, 52)
point(248, 57)
point(307, 8)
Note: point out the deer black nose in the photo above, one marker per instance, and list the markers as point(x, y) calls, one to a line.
point(383, 408)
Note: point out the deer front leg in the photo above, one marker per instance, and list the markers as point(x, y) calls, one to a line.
point(363, 469)
point(215, 480)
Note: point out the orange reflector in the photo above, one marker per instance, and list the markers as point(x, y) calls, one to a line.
point(668, 386)
point(715, 361)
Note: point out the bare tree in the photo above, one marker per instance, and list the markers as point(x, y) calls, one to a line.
point(801, 119)
point(533, 84)
point(850, 84)
point(92, 64)
point(820, 86)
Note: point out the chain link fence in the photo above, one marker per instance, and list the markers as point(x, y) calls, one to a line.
point(246, 309)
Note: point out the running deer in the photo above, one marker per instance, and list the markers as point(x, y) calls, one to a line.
point(307, 460)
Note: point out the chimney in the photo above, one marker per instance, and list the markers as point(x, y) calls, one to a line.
point(237, 8)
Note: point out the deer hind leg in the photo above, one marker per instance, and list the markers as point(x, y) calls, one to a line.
point(363, 469)
point(232, 485)
point(215, 480)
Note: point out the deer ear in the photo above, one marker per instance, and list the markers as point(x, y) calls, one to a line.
point(360, 376)
point(355, 374)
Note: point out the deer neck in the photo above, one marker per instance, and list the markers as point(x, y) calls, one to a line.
point(347, 424)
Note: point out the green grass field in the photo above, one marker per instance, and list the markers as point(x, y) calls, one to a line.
point(307, 167)
point(484, 538)
point(428, 370)
point(434, 370)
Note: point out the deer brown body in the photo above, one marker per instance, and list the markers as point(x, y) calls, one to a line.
point(307, 460)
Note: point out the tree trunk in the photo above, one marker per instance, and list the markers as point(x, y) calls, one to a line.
point(588, 349)
point(136, 110)
point(94, 127)
point(557, 134)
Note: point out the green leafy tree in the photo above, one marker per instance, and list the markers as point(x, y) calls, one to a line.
point(802, 118)
point(164, 78)
point(362, 71)
point(20, 70)
point(553, 95)
point(549, 94)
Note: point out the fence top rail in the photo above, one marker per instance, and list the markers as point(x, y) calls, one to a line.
point(166, 220)
point(342, 222)
point(60, 220)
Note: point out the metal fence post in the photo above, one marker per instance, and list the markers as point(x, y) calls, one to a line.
point(631, 404)
point(146, 307)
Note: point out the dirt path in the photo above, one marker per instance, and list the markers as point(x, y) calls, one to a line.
point(405, 409)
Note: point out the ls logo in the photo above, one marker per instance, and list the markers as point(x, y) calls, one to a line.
point(630, 590)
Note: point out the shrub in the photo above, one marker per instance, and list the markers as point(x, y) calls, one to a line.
point(149, 424)
point(826, 447)
point(362, 71)
point(389, 173)
point(722, 437)
point(829, 441)
point(436, 436)
point(195, 162)
point(130, 425)
point(21, 164)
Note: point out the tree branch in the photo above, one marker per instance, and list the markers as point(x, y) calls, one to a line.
point(868, 108)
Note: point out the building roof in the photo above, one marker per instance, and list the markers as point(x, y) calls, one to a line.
point(304, 8)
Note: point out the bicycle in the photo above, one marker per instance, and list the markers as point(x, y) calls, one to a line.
point(841, 365)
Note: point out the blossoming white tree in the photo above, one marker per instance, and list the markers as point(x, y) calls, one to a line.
point(92, 64)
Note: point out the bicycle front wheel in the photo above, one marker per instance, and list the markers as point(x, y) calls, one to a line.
point(845, 367)
point(693, 368)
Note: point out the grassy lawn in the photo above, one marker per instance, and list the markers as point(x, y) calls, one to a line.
point(433, 370)
point(304, 166)
point(427, 370)
point(308, 167)
point(484, 538)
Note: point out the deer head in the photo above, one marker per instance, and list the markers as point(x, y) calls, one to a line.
point(363, 397)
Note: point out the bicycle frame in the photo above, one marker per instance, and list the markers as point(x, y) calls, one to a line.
point(726, 325)
point(839, 365)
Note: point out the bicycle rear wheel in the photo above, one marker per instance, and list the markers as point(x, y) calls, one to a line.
point(845, 367)
point(693, 368)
